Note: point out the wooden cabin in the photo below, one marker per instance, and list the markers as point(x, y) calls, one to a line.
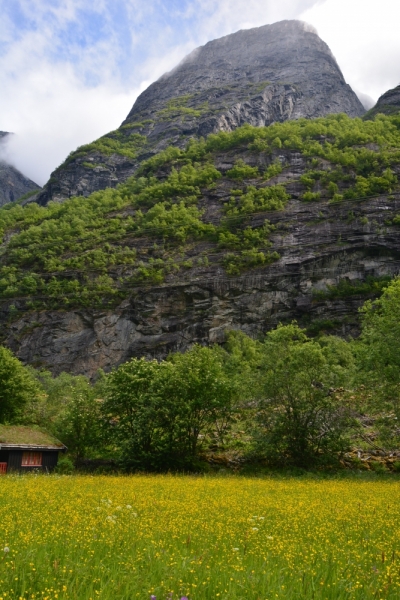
point(25, 449)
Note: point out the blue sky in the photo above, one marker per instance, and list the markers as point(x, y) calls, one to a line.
point(70, 70)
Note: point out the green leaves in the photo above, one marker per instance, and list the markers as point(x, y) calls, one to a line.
point(299, 420)
point(17, 387)
point(379, 348)
point(242, 171)
point(257, 200)
point(87, 250)
point(157, 411)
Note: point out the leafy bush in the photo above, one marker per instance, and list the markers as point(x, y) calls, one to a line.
point(65, 466)
point(258, 200)
point(242, 171)
point(299, 420)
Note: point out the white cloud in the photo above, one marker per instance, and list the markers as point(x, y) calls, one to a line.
point(54, 115)
point(364, 37)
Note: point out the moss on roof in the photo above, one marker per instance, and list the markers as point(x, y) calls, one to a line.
point(17, 434)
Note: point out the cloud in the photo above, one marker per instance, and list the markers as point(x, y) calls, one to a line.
point(365, 100)
point(57, 115)
point(364, 38)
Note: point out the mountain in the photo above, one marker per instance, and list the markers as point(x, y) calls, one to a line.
point(258, 76)
point(388, 104)
point(256, 224)
point(13, 184)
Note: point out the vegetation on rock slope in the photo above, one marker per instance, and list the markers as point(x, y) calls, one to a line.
point(158, 225)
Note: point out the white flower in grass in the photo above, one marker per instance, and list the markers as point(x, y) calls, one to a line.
point(128, 506)
point(6, 549)
point(255, 528)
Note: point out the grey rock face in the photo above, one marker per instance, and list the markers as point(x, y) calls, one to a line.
point(288, 57)
point(13, 184)
point(392, 98)
point(388, 104)
point(257, 76)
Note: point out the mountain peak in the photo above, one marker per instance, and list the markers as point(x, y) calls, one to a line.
point(287, 52)
point(258, 76)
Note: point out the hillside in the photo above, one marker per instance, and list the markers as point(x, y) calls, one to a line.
point(258, 76)
point(244, 230)
point(388, 104)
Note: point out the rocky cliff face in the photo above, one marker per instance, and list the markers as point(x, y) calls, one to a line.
point(258, 76)
point(318, 247)
point(13, 184)
point(388, 104)
point(126, 285)
point(322, 244)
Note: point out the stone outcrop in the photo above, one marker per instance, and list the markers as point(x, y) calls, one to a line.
point(390, 98)
point(388, 104)
point(13, 184)
point(257, 76)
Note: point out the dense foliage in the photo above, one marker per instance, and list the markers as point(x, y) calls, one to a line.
point(153, 228)
point(17, 387)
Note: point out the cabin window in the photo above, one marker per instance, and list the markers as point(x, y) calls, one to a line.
point(31, 459)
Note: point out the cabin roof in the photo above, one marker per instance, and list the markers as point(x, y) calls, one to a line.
point(27, 438)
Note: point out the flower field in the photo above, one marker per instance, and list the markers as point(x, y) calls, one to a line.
point(225, 538)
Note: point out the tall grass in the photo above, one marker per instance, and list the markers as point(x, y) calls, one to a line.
point(223, 538)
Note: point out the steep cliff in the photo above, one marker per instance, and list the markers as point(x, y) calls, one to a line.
point(257, 76)
point(13, 184)
point(244, 230)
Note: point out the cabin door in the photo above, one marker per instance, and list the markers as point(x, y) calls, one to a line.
point(3, 468)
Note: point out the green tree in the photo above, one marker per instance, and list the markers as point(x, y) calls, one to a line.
point(300, 422)
point(158, 411)
point(131, 413)
point(378, 354)
point(197, 398)
point(79, 426)
point(58, 392)
point(17, 387)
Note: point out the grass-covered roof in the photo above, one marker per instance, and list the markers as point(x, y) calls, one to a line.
point(18, 434)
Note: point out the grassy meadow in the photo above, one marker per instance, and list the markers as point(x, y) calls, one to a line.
point(224, 538)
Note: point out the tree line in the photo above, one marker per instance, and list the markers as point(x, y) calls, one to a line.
point(286, 400)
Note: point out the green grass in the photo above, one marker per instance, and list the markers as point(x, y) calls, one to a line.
point(19, 434)
point(206, 538)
